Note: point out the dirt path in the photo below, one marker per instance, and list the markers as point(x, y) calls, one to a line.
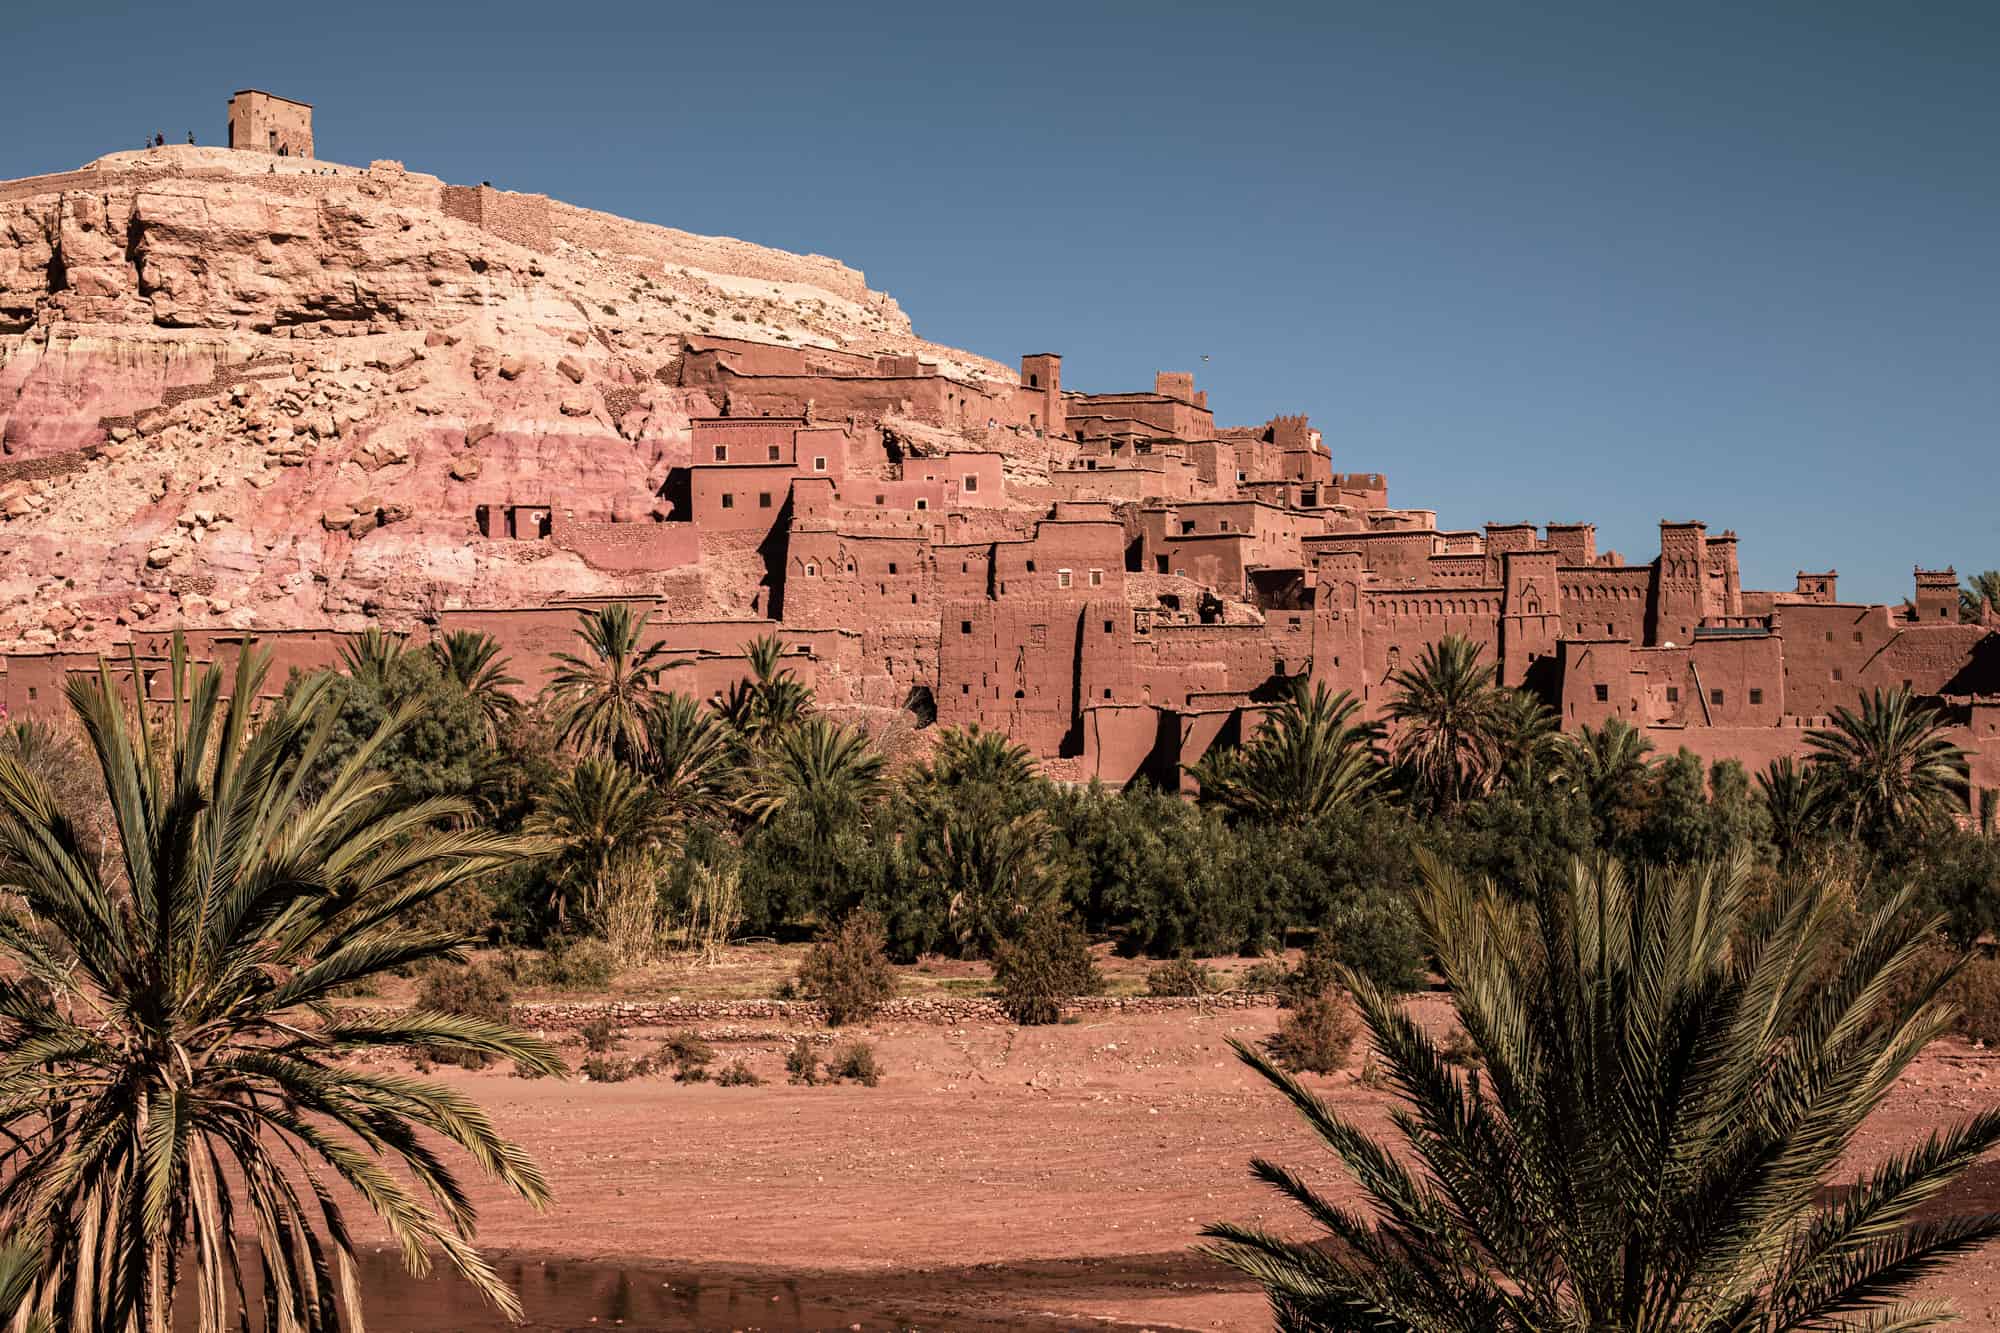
point(1002, 1174)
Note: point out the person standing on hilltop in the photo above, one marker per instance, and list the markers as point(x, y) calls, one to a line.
point(190, 138)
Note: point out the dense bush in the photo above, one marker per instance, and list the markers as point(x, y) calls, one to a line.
point(1046, 962)
point(847, 971)
point(736, 1074)
point(576, 964)
point(439, 754)
point(1316, 1036)
point(688, 1055)
point(477, 990)
point(802, 1062)
point(855, 1061)
point(601, 1035)
point(613, 1069)
point(1182, 976)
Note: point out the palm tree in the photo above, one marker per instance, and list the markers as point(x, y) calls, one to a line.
point(370, 655)
point(818, 766)
point(1648, 1146)
point(1889, 764)
point(771, 698)
point(1308, 759)
point(970, 755)
point(689, 760)
point(605, 692)
point(596, 812)
point(1795, 797)
point(473, 660)
point(1981, 591)
point(1602, 765)
point(1444, 711)
point(173, 1066)
point(1527, 737)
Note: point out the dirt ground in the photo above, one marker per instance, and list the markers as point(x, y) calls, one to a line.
point(1000, 1174)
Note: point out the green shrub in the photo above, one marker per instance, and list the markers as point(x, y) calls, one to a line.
point(613, 1069)
point(689, 1056)
point(1316, 1036)
point(1266, 978)
point(855, 1061)
point(737, 1075)
point(577, 964)
point(601, 1036)
point(848, 971)
point(1182, 976)
point(1046, 962)
point(802, 1062)
point(476, 990)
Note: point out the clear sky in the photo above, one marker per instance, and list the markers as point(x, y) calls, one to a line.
point(1602, 261)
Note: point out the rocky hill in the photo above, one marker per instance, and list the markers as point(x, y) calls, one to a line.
point(246, 391)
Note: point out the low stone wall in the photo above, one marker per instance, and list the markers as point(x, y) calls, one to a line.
point(945, 1011)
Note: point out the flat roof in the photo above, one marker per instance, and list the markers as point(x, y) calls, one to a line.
point(273, 96)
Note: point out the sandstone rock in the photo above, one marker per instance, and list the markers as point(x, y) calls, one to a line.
point(336, 520)
point(570, 367)
point(474, 434)
point(464, 468)
point(363, 525)
point(511, 368)
point(576, 407)
point(159, 557)
point(394, 512)
point(59, 618)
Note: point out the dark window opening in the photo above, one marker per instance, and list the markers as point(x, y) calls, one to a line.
point(1673, 694)
point(1756, 696)
point(1715, 697)
point(763, 499)
point(773, 453)
point(728, 501)
point(722, 453)
point(1603, 692)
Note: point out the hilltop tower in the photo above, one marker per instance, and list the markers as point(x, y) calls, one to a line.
point(262, 122)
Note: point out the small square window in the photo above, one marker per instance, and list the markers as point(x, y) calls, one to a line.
point(763, 499)
point(819, 462)
point(1715, 697)
point(1829, 636)
point(879, 499)
point(33, 694)
point(964, 689)
point(1838, 674)
point(970, 484)
point(1031, 566)
point(1097, 578)
point(1603, 692)
point(923, 503)
point(1608, 629)
point(1107, 627)
point(812, 571)
point(772, 453)
point(1187, 525)
point(728, 500)
point(892, 566)
point(1857, 636)
point(1062, 578)
point(722, 453)
point(965, 627)
point(1107, 692)
point(1225, 525)
point(1673, 694)
point(1756, 696)
point(1162, 561)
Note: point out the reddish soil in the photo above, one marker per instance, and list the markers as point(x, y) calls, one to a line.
point(1002, 1174)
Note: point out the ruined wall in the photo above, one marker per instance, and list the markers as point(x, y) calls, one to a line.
point(520, 219)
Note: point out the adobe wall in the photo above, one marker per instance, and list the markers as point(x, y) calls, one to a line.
point(627, 547)
point(520, 219)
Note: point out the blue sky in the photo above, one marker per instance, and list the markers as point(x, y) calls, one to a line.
point(1602, 261)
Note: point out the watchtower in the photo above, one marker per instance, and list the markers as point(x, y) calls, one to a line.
point(262, 122)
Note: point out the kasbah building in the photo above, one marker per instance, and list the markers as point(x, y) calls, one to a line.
point(1113, 580)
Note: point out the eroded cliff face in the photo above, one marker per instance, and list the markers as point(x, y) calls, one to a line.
point(260, 393)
